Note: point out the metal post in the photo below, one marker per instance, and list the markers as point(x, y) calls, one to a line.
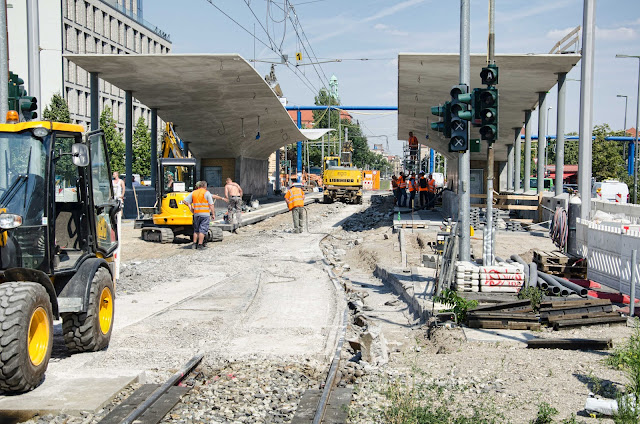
point(4, 63)
point(299, 148)
point(154, 146)
point(488, 230)
point(562, 94)
point(586, 106)
point(33, 51)
point(277, 173)
point(432, 160)
point(634, 279)
point(128, 138)
point(527, 151)
point(635, 144)
point(94, 94)
point(346, 139)
point(542, 139)
point(510, 160)
point(518, 157)
point(464, 158)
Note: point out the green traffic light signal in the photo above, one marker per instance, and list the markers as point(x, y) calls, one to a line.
point(488, 103)
point(27, 105)
point(460, 114)
point(489, 75)
point(444, 125)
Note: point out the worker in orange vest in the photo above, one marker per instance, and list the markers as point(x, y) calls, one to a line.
point(394, 188)
point(412, 186)
point(200, 203)
point(431, 192)
point(423, 187)
point(413, 145)
point(295, 201)
point(402, 190)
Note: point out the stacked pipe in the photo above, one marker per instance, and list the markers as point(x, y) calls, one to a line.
point(467, 277)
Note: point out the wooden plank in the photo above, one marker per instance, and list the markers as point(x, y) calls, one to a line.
point(307, 407)
point(517, 197)
point(338, 406)
point(501, 316)
point(589, 321)
point(561, 304)
point(121, 411)
point(502, 305)
point(517, 207)
point(571, 317)
point(504, 325)
point(570, 344)
point(577, 309)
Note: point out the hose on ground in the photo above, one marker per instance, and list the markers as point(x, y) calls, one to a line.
point(559, 229)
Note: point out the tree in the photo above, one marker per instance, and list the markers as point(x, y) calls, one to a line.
point(57, 110)
point(607, 159)
point(115, 146)
point(141, 149)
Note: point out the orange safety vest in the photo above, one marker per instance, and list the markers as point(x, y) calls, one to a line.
point(431, 186)
point(420, 185)
point(402, 183)
point(413, 142)
point(294, 197)
point(200, 204)
point(413, 186)
point(394, 184)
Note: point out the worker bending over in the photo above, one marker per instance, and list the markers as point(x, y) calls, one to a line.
point(200, 203)
point(295, 201)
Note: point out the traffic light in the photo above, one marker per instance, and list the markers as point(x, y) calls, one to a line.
point(489, 75)
point(488, 102)
point(460, 114)
point(28, 105)
point(444, 125)
point(15, 87)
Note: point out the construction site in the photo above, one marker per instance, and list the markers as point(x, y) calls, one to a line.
point(273, 267)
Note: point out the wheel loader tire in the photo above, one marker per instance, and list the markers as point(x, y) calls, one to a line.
point(327, 200)
point(91, 331)
point(214, 234)
point(26, 335)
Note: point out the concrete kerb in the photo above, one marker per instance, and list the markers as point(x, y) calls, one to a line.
point(334, 338)
point(404, 284)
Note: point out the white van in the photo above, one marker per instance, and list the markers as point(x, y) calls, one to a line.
point(439, 179)
point(610, 191)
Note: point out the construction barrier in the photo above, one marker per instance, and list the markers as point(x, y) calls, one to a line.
point(608, 252)
point(371, 180)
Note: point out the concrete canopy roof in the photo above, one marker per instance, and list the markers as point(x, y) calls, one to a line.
point(217, 102)
point(424, 80)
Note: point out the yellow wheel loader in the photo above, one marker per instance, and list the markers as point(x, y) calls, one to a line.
point(342, 181)
point(58, 246)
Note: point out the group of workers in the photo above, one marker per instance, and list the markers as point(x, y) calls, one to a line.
point(425, 185)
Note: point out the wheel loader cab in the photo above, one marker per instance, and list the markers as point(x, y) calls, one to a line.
point(58, 238)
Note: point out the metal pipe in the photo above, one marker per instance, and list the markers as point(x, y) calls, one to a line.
point(632, 289)
point(464, 158)
point(128, 138)
point(175, 379)
point(545, 285)
point(521, 261)
point(510, 160)
point(517, 186)
point(586, 107)
point(154, 146)
point(542, 139)
point(491, 41)
point(4, 63)
point(562, 94)
point(533, 274)
point(563, 289)
point(94, 95)
point(33, 52)
point(527, 151)
point(336, 107)
point(488, 229)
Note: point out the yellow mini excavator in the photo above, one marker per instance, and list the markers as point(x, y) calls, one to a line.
point(176, 179)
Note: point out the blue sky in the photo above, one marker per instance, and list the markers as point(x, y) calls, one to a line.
point(378, 30)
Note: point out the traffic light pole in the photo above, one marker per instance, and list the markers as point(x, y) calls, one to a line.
point(487, 245)
point(464, 158)
point(33, 49)
point(4, 63)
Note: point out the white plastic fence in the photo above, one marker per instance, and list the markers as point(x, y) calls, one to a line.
point(631, 211)
point(608, 250)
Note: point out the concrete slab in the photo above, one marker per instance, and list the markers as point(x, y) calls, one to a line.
point(484, 335)
point(71, 395)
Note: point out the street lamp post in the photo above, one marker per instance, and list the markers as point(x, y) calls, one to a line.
point(546, 145)
point(624, 128)
point(635, 155)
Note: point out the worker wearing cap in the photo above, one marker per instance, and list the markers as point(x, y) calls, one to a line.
point(295, 201)
point(423, 187)
point(402, 190)
point(200, 203)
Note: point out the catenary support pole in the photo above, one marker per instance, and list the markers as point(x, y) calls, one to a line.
point(128, 138)
point(299, 148)
point(510, 160)
point(33, 52)
point(527, 151)
point(562, 95)
point(586, 106)
point(635, 144)
point(517, 186)
point(464, 158)
point(154, 146)
point(94, 96)
point(4, 63)
point(277, 171)
point(542, 139)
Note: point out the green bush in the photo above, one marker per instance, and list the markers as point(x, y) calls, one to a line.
point(459, 305)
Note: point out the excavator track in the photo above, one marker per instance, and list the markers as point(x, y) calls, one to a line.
point(157, 234)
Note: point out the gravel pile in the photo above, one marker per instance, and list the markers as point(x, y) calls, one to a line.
point(377, 215)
